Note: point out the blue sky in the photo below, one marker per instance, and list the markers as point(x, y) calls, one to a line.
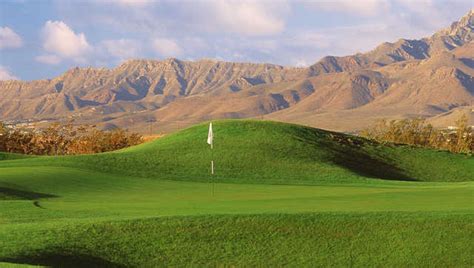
point(42, 39)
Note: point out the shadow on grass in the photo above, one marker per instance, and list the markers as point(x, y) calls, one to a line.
point(14, 194)
point(348, 152)
point(63, 260)
point(366, 165)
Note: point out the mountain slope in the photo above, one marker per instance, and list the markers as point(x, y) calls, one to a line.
point(407, 78)
point(412, 88)
point(145, 83)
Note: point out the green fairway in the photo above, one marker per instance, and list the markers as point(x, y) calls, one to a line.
point(282, 195)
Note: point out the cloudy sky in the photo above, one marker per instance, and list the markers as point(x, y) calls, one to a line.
point(43, 38)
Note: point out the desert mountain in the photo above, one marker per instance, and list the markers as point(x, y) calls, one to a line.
point(458, 34)
point(427, 77)
point(412, 88)
point(135, 85)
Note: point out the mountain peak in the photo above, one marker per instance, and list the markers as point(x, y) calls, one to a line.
point(172, 60)
point(466, 20)
point(469, 14)
point(463, 28)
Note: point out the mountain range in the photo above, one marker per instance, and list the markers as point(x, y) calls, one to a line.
point(432, 77)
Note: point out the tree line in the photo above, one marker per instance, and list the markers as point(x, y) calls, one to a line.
point(64, 139)
point(459, 139)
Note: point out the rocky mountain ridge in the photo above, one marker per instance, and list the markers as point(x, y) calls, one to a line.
point(425, 77)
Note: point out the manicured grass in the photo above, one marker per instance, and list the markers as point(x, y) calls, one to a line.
point(270, 152)
point(75, 194)
point(336, 240)
point(283, 195)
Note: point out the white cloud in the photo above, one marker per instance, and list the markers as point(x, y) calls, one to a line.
point(195, 44)
point(121, 48)
point(60, 40)
point(357, 7)
point(133, 3)
point(166, 47)
point(249, 17)
point(426, 15)
point(308, 39)
point(126, 3)
point(415, 6)
point(5, 74)
point(9, 39)
point(48, 59)
point(165, 18)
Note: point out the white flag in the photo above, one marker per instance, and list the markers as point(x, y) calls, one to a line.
point(210, 135)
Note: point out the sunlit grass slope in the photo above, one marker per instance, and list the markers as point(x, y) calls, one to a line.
point(282, 195)
point(271, 152)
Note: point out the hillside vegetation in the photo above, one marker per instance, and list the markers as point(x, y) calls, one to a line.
point(418, 132)
point(64, 139)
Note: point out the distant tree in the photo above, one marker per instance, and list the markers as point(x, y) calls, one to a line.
point(3, 136)
point(62, 139)
point(418, 132)
point(464, 136)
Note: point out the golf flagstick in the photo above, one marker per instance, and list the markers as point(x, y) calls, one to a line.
point(210, 141)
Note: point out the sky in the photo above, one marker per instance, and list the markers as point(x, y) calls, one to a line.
point(41, 39)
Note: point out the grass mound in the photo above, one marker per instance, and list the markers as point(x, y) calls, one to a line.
point(270, 152)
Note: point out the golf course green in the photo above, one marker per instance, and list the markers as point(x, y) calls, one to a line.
point(281, 195)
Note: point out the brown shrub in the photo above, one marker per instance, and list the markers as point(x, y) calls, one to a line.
point(418, 132)
point(65, 139)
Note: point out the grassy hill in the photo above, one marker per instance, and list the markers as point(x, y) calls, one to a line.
point(282, 195)
point(270, 152)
